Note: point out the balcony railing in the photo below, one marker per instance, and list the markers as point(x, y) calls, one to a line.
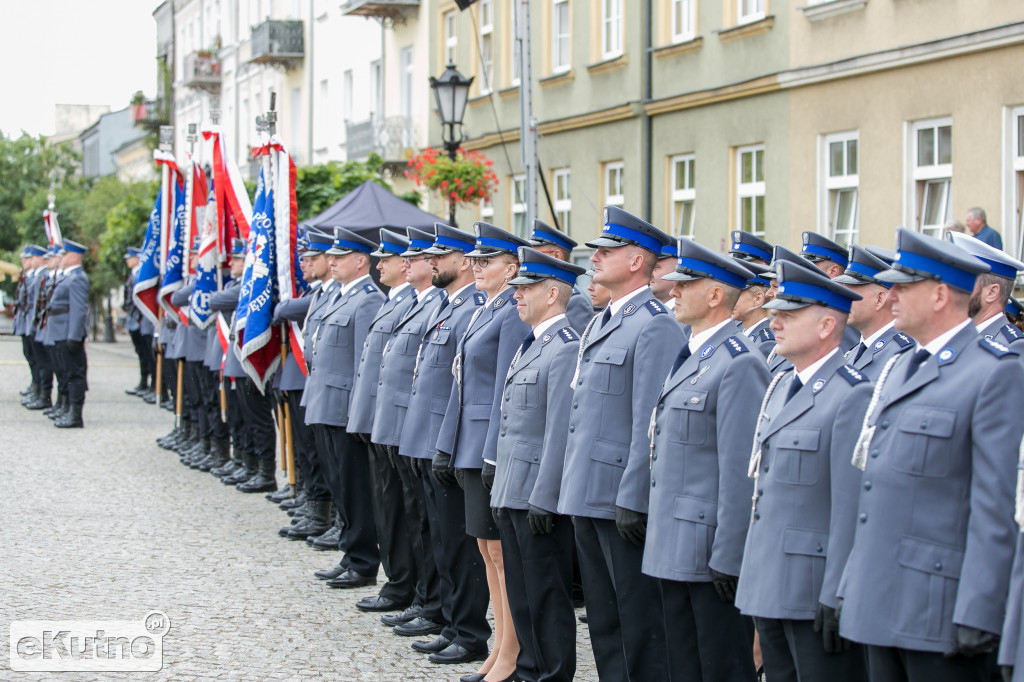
point(201, 71)
point(393, 139)
point(278, 42)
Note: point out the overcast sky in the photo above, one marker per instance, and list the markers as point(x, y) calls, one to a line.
point(72, 52)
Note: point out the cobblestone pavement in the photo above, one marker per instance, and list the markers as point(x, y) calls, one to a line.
point(101, 523)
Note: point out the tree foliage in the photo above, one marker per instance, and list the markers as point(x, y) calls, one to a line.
point(318, 187)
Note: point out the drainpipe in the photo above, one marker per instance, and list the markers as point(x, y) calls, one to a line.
point(646, 122)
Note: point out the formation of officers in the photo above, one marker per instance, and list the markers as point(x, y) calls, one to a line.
point(800, 462)
point(51, 317)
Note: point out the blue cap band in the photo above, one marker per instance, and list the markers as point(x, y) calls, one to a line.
point(999, 268)
point(511, 247)
point(354, 246)
point(555, 239)
point(947, 273)
point(757, 279)
point(396, 249)
point(713, 271)
point(549, 270)
point(669, 250)
point(420, 244)
point(646, 241)
point(68, 246)
point(452, 243)
point(814, 293)
point(752, 250)
point(867, 271)
point(318, 246)
point(826, 253)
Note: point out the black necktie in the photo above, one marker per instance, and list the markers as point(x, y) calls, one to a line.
point(684, 353)
point(607, 316)
point(860, 351)
point(915, 362)
point(795, 386)
point(444, 301)
point(527, 342)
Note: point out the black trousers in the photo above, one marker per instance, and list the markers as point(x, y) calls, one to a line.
point(888, 664)
point(303, 441)
point(76, 367)
point(538, 579)
point(318, 484)
point(428, 586)
point(236, 427)
point(390, 524)
point(169, 376)
point(624, 611)
point(793, 652)
point(258, 418)
point(352, 481)
point(708, 640)
point(143, 344)
point(192, 407)
point(211, 425)
point(458, 556)
point(59, 357)
point(28, 350)
point(44, 366)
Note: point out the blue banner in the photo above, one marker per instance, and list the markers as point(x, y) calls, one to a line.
point(145, 291)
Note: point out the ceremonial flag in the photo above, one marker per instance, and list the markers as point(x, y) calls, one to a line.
point(211, 259)
point(234, 212)
point(286, 223)
point(52, 228)
point(144, 293)
point(176, 255)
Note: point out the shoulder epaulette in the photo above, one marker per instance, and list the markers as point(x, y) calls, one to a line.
point(852, 376)
point(765, 334)
point(568, 334)
point(994, 347)
point(479, 298)
point(903, 340)
point(369, 288)
point(735, 346)
point(655, 307)
point(1010, 333)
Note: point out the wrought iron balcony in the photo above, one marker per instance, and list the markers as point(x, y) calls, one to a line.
point(279, 42)
point(392, 139)
point(201, 71)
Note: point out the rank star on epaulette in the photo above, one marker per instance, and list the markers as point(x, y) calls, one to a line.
point(569, 334)
point(903, 340)
point(368, 288)
point(1011, 332)
point(852, 376)
point(480, 297)
point(734, 346)
point(655, 307)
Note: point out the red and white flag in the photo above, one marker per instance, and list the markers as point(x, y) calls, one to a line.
point(52, 228)
point(286, 223)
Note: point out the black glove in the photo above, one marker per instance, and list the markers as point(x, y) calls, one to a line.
point(392, 452)
point(415, 466)
point(460, 478)
point(971, 642)
point(362, 438)
point(494, 515)
point(541, 522)
point(632, 525)
point(441, 468)
point(1007, 672)
point(74, 346)
point(839, 609)
point(725, 586)
point(826, 621)
point(487, 476)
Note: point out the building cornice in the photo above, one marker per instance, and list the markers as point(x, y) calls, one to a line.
point(561, 125)
point(757, 86)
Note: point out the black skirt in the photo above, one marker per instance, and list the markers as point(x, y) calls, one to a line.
point(479, 521)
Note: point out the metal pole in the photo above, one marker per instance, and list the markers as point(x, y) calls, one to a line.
point(451, 145)
point(527, 123)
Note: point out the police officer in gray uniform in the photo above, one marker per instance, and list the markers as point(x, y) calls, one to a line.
point(749, 311)
point(42, 351)
point(25, 323)
point(991, 290)
point(1011, 646)
point(557, 244)
point(385, 487)
point(624, 356)
point(926, 582)
point(750, 248)
point(68, 319)
point(334, 353)
point(138, 326)
point(701, 431)
point(776, 362)
point(831, 258)
point(871, 315)
point(802, 522)
point(536, 541)
point(395, 368)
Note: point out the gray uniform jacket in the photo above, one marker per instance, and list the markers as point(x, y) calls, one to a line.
point(700, 493)
point(132, 316)
point(193, 347)
point(762, 337)
point(32, 292)
point(469, 431)
point(225, 302)
point(873, 359)
point(314, 316)
point(1011, 646)
point(934, 536)
point(21, 321)
point(1003, 332)
point(397, 364)
point(534, 422)
point(334, 353)
point(801, 528)
point(45, 278)
point(579, 311)
point(364, 394)
point(67, 318)
point(433, 383)
point(290, 377)
point(777, 363)
point(621, 367)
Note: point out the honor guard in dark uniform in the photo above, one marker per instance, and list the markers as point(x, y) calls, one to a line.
point(20, 301)
point(871, 315)
point(40, 293)
point(749, 311)
point(557, 244)
point(624, 356)
point(701, 430)
point(801, 525)
point(750, 248)
point(463, 582)
point(992, 290)
point(68, 320)
point(138, 326)
point(777, 363)
point(194, 349)
point(405, 506)
point(831, 258)
point(385, 487)
point(28, 292)
point(333, 352)
point(926, 582)
point(536, 541)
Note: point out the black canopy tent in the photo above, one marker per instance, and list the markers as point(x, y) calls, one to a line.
point(370, 207)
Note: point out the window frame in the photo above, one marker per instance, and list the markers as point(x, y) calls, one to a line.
point(486, 53)
point(1013, 190)
point(686, 195)
point(514, 77)
point(450, 45)
point(832, 187)
point(611, 168)
point(924, 179)
point(518, 208)
point(676, 8)
point(562, 205)
point(611, 29)
point(759, 7)
point(557, 66)
point(750, 190)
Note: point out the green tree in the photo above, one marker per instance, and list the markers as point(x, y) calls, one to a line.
point(28, 169)
point(320, 186)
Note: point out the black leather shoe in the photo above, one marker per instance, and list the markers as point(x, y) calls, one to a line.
point(379, 603)
point(326, 542)
point(439, 643)
point(352, 579)
point(475, 677)
point(393, 619)
point(582, 617)
point(456, 653)
point(329, 573)
point(418, 627)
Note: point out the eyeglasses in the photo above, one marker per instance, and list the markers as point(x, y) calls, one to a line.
point(482, 263)
point(414, 259)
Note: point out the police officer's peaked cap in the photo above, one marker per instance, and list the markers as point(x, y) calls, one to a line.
point(1001, 264)
point(624, 229)
point(419, 242)
point(73, 247)
point(492, 240)
point(758, 271)
point(783, 255)
point(699, 262)
point(535, 266)
point(863, 268)
point(238, 247)
point(800, 287)
point(920, 257)
point(887, 255)
point(132, 252)
point(817, 247)
point(450, 240)
point(545, 234)
point(317, 243)
point(35, 250)
point(746, 246)
point(391, 244)
point(347, 241)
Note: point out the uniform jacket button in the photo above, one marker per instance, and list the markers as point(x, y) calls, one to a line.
point(701, 515)
point(938, 565)
point(867, 485)
point(863, 517)
point(572, 429)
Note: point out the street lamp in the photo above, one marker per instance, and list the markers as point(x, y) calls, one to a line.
point(451, 91)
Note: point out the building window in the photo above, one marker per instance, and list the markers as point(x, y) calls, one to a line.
point(560, 35)
point(613, 186)
point(1017, 178)
point(684, 194)
point(683, 20)
point(406, 83)
point(519, 227)
point(839, 187)
point(750, 189)
point(487, 210)
point(486, 18)
point(514, 42)
point(347, 83)
point(749, 10)
point(451, 37)
point(563, 198)
point(931, 156)
point(611, 28)
point(376, 87)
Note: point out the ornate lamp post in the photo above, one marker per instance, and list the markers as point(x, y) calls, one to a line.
point(451, 91)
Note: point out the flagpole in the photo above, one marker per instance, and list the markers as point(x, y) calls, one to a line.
point(166, 142)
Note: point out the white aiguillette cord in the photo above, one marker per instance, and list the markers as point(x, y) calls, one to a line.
point(583, 345)
point(860, 450)
point(1018, 515)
